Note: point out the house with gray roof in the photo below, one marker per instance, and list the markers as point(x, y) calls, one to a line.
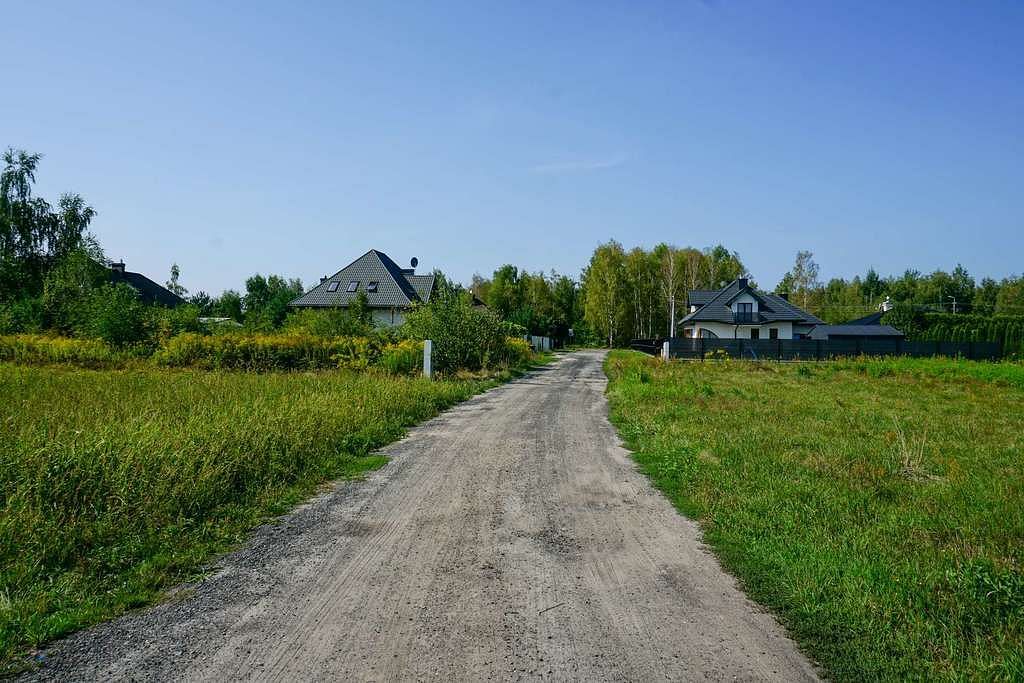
point(738, 311)
point(390, 290)
point(149, 292)
point(868, 327)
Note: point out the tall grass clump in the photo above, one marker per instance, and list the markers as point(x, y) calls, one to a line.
point(34, 349)
point(262, 352)
point(874, 504)
point(115, 485)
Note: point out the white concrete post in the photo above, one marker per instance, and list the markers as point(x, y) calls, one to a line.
point(428, 348)
point(664, 351)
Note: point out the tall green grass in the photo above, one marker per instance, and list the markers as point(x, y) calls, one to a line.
point(115, 485)
point(877, 506)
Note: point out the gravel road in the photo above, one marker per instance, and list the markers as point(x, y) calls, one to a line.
point(510, 537)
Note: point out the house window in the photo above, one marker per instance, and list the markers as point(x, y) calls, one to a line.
point(371, 286)
point(707, 334)
point(333, 287)
point(773, 333)
point(745, 312)
point(755, 333)
point(353, 286)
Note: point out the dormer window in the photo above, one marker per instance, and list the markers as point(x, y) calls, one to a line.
point(745, 312)
point(371, 286)
point(333, 287)
point(353, 286)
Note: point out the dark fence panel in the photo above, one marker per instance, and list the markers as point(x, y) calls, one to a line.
point(651, 346)
point(811, 349)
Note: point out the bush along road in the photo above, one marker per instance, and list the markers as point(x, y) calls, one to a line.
point(509, 537)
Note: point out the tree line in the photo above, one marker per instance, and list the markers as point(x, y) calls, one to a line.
point(956, 292)
point(623, 294)
point(53, 276)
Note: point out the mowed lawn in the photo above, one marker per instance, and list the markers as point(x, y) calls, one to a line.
point(876, 506)
point(115, 485)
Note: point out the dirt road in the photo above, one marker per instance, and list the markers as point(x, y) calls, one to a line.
point(511, 537)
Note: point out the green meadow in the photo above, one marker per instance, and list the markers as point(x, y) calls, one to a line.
point(117, 484)
point(876, 506)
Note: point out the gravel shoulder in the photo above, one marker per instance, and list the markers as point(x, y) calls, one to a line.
point(510, 537)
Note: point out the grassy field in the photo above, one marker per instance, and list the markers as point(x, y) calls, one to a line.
point(115, 485)
point(876, 506)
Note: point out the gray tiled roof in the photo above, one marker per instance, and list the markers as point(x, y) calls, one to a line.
point(423, 284)
point(873, 319)
point(149, 292)
point(394, 289)
point(699, 297)
point(827, 331)
point(772, 308)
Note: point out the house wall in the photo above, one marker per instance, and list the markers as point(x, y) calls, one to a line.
point(388, 317)
point(727, 331)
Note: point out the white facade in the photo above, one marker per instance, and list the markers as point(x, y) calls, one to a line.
point(730, 331)
point(388, 317)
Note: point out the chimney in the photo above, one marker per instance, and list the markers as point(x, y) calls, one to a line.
point(742, 281)
point(118, 267)
point(322, 278)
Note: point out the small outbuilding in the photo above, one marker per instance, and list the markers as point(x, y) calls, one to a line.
point(850, 332)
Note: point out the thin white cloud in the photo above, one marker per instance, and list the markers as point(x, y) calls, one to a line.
point(578, 165)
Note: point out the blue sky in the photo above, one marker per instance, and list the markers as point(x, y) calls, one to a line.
point(241, 137)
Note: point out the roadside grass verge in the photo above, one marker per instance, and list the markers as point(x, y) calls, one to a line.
point(876, 506)
point(116, 485)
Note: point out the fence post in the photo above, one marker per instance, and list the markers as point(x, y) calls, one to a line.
point(428, 348)
point(778, 349)
point(702, 348)
point(665, 350)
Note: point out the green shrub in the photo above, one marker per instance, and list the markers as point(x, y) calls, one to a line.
point(516, 352)
point(29, 349)
point(329, 322)
point(115, 314)
point(403, 358)
point(170, 322)
point(465, 337)
point(243, 351)
point(354, 353)
point(21, 316)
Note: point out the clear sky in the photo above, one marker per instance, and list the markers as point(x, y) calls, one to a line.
point(242, 137)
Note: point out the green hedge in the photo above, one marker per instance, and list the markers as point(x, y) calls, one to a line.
point(1008, 330)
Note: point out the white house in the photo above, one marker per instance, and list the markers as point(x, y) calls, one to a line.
point(738, 311)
